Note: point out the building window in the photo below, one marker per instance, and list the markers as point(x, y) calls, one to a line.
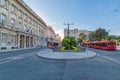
point(30, 21)
point(3, 18)
point(25, 27)
point(33, 23)
point(25, 17)
point(19, 25)
point(13, 39)
point(13, 8)
point(3, 38)
point(3, 3)
point(12, 22)
point(20, 14)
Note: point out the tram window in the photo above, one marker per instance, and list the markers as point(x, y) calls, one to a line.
point(111, 43)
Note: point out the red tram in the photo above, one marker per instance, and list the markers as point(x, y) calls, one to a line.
point(105, 45)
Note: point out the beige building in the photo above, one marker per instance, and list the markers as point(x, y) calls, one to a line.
point(58, 38)
point(50, 34)
point(75, 32)
point(20, 26)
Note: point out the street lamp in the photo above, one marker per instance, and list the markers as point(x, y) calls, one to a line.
point(68, 24)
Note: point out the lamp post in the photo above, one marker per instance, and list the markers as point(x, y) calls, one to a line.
point(68, 24)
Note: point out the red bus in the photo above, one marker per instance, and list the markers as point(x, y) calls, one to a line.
point(105, 45)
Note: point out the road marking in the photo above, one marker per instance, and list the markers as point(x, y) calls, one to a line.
point(110, 59)
point(13, 58)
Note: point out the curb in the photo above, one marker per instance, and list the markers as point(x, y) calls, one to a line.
point(83, 58)
point(7, 50)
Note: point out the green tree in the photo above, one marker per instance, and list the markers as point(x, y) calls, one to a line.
point(92, 36)
point(118, 40)
point(111, 37)
point(98, 34)
point(67, 42)
point(114, 37)
point(82, 37)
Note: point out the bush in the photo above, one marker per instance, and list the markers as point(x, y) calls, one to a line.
point(68, 42)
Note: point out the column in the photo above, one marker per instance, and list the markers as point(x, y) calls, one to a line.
point(8, 39)
point(29, 41)
point(18, 40)
point(24, 41)
point(0, 38)
point(32, 41)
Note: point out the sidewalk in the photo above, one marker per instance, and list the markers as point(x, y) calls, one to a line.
point(66, 55)
point(6, 50)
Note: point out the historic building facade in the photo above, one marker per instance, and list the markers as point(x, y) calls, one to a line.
point(20, 26)
point(75, 32)
point(50, 34)
point(58, 38)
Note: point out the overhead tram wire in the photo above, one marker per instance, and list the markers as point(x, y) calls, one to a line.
point(115, 10)
point(103, 15)
point(106, 13)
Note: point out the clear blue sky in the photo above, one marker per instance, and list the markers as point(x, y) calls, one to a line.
point(85, 14)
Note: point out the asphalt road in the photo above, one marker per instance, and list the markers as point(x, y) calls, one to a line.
point(25, 65)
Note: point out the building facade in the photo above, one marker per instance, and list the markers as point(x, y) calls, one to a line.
point(50, 34)
point(75, 32)
point(20, 26)
point(58, 38)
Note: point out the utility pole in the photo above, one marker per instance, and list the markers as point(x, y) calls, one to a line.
point(68, 24)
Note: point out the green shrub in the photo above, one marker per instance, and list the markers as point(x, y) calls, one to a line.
point(69, 41)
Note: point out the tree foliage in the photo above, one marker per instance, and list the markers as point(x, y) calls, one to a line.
point(99, 34)
point(114, 37)
point(82, 37)
point(92, 36)
point(69, 41)
point(111, 37)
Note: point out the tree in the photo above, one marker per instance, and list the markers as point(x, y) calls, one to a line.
point(114, 37)
point(118, 40)
point(98, 34)
point(69, 41)
point(111, 37)
point(92, 36)
point(101, 34)
point(82, 37)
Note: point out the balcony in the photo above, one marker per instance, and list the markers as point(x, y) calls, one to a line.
point(26, 32)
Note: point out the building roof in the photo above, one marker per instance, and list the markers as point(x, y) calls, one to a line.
point(31, 11)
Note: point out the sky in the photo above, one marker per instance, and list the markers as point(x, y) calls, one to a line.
point(85, 14)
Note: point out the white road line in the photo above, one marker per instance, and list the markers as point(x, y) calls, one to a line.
point(110, 59)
